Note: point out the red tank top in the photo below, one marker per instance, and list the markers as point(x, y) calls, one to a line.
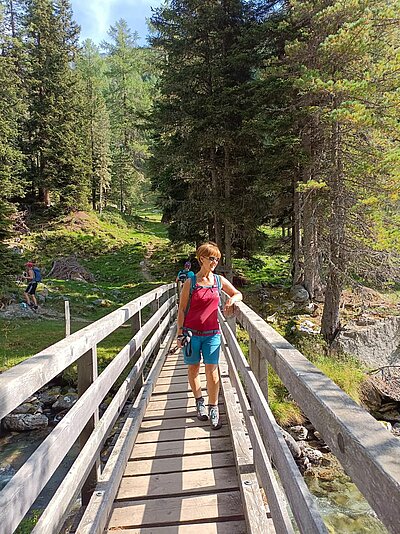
point(202, 317)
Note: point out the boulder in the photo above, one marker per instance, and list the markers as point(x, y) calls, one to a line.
point(28, 407)
point(299, 432)
point(376, 344)
point(299, 294)
point(25, 422)
point(65, 402)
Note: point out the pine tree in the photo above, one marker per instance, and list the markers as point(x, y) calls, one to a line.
point(12, 109)
point(91, 67)
point(55, 143)
point(128, 100)
point(205, 133)
point(342, 63)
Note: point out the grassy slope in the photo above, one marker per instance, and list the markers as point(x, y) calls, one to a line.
point(112, 247)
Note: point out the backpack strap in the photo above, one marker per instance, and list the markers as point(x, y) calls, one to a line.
point(193, 282)
point(217, 280)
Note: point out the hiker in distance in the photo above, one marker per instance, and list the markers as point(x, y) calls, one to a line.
point(33, 275)
point(198, 328)
point(183, 275)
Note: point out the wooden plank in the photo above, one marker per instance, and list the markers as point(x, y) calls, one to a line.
point(180, 483)
point(178, 395)
point(181, 463)
point(301, 501)
point(99, 508)
point(177, 448)
point(158, 512)
point(172, 380)
point(254, 508)
point(173, 413)
point(225, 527)
point(172, 388)
point(178, 372)
point(181, 433)
point(354, 436)
point(24, 379)
point(169, 424)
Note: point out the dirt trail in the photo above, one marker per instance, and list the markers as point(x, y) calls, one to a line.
point(145, 264)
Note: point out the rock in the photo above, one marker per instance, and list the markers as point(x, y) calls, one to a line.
point(309, 327)
point(28, 407)
point(104, 303)
point(369, 395)
point(48, 397)
point(299, 294)
point(315, 456)
point(6, 473)
point(25, 422)
point(292, 444)
point(376, 344)
point(391, 415)
point(317, 435)
point(299, 432)
point(65, 402)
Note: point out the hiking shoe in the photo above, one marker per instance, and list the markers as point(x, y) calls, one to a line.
point(201, 410)
point(214, 418)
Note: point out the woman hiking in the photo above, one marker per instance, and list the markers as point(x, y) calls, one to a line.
point(198, 323)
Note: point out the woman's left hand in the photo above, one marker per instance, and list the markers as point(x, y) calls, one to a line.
point(228, 308)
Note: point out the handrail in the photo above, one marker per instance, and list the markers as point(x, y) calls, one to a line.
point(17, 496)
point(366, 450)
point(265, 436)
point(21, 381)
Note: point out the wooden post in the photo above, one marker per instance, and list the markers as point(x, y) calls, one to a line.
point(232, 323)
point(259, 366)
point(87, 374)
point(254, 356)
point(67, 318)
point(136, 326)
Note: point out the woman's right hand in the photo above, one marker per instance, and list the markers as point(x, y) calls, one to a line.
point(179, 343)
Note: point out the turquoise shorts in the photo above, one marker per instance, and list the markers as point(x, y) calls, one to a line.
point(206, 346)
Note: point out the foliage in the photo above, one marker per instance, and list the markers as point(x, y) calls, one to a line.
point(206, 139)
point(129, 95)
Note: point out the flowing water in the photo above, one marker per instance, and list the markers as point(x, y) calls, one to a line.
point(343, 507)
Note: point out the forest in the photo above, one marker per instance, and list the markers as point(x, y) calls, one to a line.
point(237, 115)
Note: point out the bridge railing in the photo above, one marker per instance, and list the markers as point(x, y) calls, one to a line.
point(367, 451)
point(82, 420)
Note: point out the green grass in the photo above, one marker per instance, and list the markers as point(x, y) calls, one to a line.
point(112, 247)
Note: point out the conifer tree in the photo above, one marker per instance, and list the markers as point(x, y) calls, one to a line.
point(91, 67)
point(342, 63)
point(12, 109)
point(55, 145)
point(204, 125)
point(128, 100)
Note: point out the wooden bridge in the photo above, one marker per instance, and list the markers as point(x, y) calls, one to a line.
point(167, 472)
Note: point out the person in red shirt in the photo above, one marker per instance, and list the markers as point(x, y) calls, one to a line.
point(198, 322)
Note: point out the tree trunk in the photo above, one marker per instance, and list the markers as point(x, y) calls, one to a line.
point(297, 275)
point(312, 280)
point(217, 219)
point(330, 323)
point(227, 218)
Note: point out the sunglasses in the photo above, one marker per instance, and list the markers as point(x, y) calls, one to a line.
point(213, 258)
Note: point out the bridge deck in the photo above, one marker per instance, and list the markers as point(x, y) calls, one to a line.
point(181, 476)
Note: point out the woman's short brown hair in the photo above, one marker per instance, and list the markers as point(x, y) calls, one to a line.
point(207, 249)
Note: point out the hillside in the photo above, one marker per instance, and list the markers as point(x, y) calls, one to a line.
point(127, 256)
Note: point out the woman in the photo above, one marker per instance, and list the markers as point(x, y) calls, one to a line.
point(198, 318)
